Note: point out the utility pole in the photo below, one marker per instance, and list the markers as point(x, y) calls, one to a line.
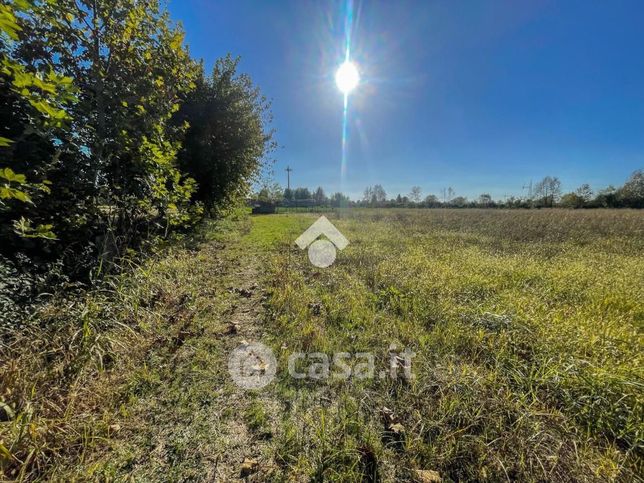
point(529, 189)
point(288, 177)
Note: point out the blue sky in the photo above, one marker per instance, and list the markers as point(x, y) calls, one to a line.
point(479, 95)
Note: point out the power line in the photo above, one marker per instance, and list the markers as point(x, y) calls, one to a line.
point(288, 179)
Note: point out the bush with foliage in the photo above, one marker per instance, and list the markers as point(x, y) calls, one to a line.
point(110, 133)
point(227, 136)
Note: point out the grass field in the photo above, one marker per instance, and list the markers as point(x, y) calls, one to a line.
point(526, 328)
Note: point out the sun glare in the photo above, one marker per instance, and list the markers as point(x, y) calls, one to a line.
point(347, 77)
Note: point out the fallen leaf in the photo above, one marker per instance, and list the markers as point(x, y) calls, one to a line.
point(428, 476)
point(248, 467)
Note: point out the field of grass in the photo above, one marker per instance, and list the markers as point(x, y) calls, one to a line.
point(526, 328)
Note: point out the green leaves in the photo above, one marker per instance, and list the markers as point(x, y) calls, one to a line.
point(47, 95)
point(97, 91)
point(15, 186)
point(41, 99)
point(24, 229)
point(227, 113)
point(8, 175)
point(7, 191)
point(8, 22)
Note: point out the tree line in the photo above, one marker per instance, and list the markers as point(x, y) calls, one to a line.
point(546, 193)
point(112, 134)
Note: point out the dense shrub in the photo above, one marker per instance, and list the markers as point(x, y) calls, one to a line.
point(96, 99)
point(227, 136)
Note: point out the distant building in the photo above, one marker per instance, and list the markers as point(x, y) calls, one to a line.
point(263, 207)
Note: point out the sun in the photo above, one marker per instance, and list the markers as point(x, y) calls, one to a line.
point(347, 77)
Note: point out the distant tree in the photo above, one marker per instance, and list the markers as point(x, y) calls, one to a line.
point(415, 194)
point(459, 202)
point(379, 194)
point(585, 193)
point(302, 194)
point(374, 195)
point(607, 198)
point(450, 193)
point(513, 202)
point(555, 190)
point(288, 194)
point(431, 201)
point(339, 200)
point(367, 196)
point(399, 199)
point(548, 190)
point(276, 192)
point(271, 192)
point(572, 200)
point(263, 194)
point(485, 200)
point(632, 193)
point(319, 196)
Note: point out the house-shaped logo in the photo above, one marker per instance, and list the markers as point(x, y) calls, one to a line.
point(322, 252)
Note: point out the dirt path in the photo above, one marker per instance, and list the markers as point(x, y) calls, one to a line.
point(247, 456)
point(183, 417)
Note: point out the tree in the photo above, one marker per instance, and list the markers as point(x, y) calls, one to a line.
point(302, 194)
point(607, 198)
point(374, 195)
point(585, 193)
point(319, 196)
point(117, 178)
point(339, 200)
point(415, 194)
point(485, 200)
point(228, 136)
point(367, 196)
point(270, 192)
point(34, 122)
point(288, 194)
point(431, 201)
point(459, 202)
point(632, 193)
point(548, 190)
point(379, 194)
point(572, 200)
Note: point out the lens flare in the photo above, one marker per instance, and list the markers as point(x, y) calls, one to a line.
point(347, 77)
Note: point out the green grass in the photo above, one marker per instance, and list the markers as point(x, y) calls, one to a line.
point(527, 329)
